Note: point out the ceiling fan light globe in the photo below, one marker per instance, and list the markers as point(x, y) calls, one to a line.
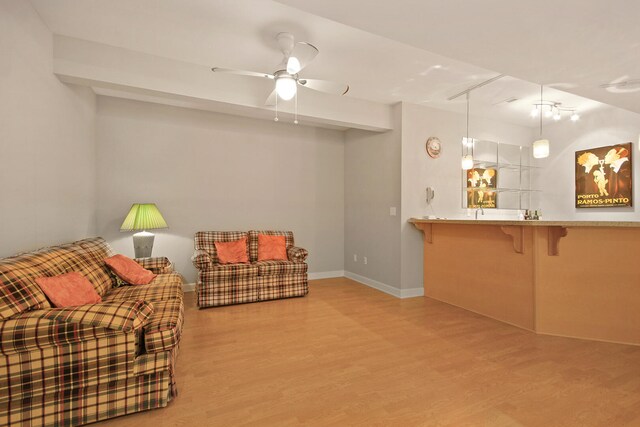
point(293, 65)
point(286, 88)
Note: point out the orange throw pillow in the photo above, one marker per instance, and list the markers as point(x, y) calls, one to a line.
point(68, 290)
point(232, 252)
point(271, 248)
point(129, 270)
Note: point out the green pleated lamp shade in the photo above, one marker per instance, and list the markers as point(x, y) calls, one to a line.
point(143, 216)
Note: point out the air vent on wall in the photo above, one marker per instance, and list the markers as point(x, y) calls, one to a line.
point(507, 101)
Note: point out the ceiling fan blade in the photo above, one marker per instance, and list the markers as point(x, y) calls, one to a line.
point(271, 99)
point(303, 53)
point(242, 72)
point(325, 86)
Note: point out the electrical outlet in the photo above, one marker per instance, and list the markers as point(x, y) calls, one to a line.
point(355, 258)
point(392, 211)
point(364, 260)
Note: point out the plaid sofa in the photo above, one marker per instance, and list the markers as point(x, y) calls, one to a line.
point(226, 284)
point(78, 365)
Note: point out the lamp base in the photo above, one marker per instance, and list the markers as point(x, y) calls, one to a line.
point(143, 244)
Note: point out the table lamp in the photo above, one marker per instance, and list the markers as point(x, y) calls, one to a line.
point(143, 216)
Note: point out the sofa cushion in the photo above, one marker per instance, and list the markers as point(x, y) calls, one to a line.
point(276, 287)
point(205, 240)
point(162, 331)
point(253, 241)
point(225, 292)
point(129, 270)
point(232, 252)
point(164, 287)
point(68, 290)
point(18, 289)
point(227, 272)
point(272, 248)
point(279, 268)
point(96, 249)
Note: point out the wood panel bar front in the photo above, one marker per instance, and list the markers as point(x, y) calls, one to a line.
point(570, 279)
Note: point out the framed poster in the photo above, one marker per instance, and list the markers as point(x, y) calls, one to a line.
point(603, 177)
point(481, 188)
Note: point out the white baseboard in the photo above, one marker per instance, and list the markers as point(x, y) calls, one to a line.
point(398, 293)
point(190, 287)
point(412, 292)
point(325, 275)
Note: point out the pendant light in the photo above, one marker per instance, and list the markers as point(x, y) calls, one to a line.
point(467, 158)
point(541, 146)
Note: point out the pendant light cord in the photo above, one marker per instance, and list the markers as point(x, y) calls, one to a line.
point(467, 141)
point(295, 120)
point(540, 111)
point(467, 117)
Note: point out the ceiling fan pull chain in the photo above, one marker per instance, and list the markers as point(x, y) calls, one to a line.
point(276, 119)
point(295, 120)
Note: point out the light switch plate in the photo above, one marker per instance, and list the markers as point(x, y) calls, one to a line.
point(392, 211)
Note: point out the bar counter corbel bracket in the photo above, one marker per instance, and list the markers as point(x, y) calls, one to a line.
point(555, 230)
point(517, 234)
point(555, 234)
point(427, 230)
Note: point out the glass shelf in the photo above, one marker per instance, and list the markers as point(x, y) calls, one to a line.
point(512, 169)
point(500, 190)
point(480, 164)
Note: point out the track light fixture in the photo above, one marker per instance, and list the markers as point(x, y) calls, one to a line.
point(555, 110)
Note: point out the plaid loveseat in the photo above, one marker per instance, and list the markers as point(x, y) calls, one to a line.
point(225, 284)
point(77, 365)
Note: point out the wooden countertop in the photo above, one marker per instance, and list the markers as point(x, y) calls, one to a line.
point(541, 223)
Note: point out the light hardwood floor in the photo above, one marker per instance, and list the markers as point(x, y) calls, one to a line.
point(348, 355)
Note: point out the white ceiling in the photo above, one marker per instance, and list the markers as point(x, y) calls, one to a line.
point(240, 34)
point(573, 45)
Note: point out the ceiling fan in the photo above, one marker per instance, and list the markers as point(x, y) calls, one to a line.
point(296, 57)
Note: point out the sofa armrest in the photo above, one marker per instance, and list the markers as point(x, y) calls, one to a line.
point(157, 265)
point(60, 326)
point(125, 316)
point(297, 254)
point(201, 259)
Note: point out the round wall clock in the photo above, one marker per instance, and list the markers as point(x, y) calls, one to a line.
point(434, 147)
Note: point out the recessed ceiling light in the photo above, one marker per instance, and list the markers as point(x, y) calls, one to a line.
point(437, 66)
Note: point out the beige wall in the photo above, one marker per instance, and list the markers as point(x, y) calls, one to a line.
point(372, 187)
point(392, 169)
point(210, 171)
point(443, 174)
point(47, 147)
point(604, 127)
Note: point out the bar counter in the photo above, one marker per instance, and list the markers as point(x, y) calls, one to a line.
point(569, 278)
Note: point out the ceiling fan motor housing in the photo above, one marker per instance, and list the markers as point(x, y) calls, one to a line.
point(286, 42)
